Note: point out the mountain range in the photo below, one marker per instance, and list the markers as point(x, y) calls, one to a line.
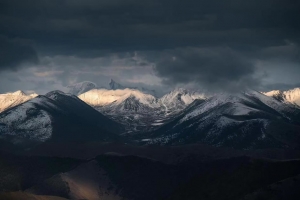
point(248, 120)
point(245, 120)
point(137, 110)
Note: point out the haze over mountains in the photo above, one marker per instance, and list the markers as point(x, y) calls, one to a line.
point(82, 87)
point(79, 88)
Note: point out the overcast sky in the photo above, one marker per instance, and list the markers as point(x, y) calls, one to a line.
point(213, 45)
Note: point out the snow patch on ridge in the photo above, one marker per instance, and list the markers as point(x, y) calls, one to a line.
point(102, 97)
point(27, 122)
point(124, 104)
point(10, 100)
point(289, 96)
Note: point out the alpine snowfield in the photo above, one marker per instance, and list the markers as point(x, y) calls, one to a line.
point(289, 96)
point(137, 110)
point(246, 120)
point(10, 100)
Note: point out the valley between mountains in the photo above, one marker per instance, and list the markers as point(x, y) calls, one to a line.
point(128, 143)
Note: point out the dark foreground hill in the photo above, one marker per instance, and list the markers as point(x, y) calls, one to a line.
point(114, 176)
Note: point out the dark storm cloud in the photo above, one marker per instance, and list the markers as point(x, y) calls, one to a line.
point(280, 86)
point(224, 38)
point(289, 52)
point(212, 68)
point(75, 27)
point(15, 52)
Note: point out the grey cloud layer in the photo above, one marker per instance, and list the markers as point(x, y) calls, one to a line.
point(217, 43)
point(139, 25)
point(13, 53)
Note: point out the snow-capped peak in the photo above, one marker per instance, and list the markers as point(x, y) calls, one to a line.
point(272, 93)
point(12, 99)
point(180, 97)
point(102, 97)
point(18, 92)
point(237, 102)
point(114, 85)
point(80, 88)
point(57, 94)
point(293, 95)
point(288, 96)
